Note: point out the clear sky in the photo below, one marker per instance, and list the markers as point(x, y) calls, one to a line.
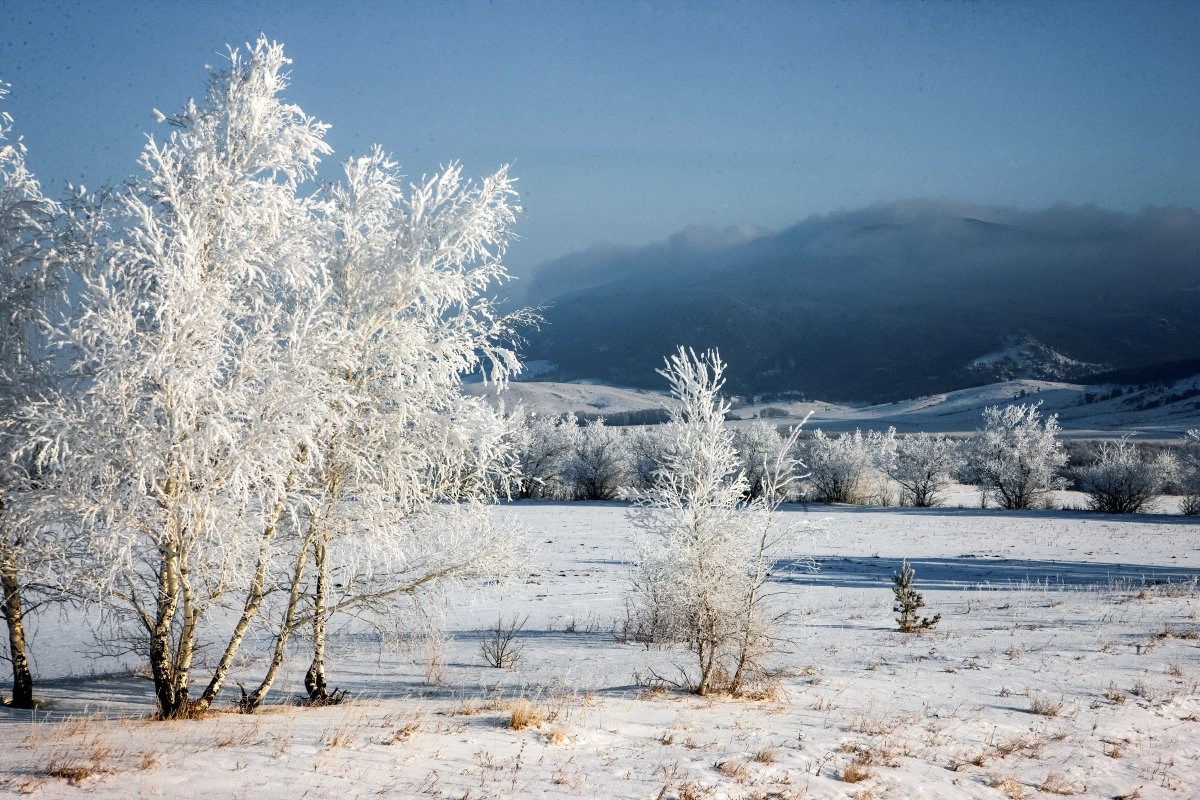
point(628, 121)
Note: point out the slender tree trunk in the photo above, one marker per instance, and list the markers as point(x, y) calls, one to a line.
point(186, 646)
point(14, 616)
point(253, 700)
point(314, 679)
point(161, 663)
point(254, 596)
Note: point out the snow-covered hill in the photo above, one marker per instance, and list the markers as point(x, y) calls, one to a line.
point(1153, 412)
point(1023, 356)
point(548, 397)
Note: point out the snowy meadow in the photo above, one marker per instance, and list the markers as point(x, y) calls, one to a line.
point(1066, 658)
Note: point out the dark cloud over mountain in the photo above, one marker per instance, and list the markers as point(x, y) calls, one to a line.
point(885, 302)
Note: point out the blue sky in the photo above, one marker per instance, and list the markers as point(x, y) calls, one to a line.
point(628, 121)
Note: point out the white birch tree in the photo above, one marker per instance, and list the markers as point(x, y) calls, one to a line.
point(198, 344)
point(30, 286)
point(406, 461)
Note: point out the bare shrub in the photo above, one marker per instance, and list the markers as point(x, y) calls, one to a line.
point(500, 649)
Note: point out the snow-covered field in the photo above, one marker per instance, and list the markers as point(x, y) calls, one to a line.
point(1090, 620)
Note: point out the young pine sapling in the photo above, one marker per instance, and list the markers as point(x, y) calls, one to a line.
point(909, 600)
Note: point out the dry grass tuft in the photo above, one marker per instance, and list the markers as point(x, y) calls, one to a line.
point(1044, 706)
point(526, 715)
point(856, 773)
point(1058, 783)
point(558, 737)
point(766, 756)
point(343, 734)
point(405, 732)
point(1009, 785)
point(734, 770)
point(1114, 694)
point(72, 773)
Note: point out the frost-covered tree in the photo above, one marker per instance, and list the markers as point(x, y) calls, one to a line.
point(923, 465)
point(408, 275)
point(198, 349)
point(543, 442)
point(1122, 480)
point(1017, 456)
point(265, 418)
point(647, 448)
point(840, 467)
point(759, 447)
point(703, 552)
point(29, 291)
point(595, 468)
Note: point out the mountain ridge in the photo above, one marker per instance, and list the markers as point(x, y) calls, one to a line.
point(883, 303)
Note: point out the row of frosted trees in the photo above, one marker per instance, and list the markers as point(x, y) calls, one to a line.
point(229, 396)
point(1016, 460)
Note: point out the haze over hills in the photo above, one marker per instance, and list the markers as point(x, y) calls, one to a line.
point(892, 301)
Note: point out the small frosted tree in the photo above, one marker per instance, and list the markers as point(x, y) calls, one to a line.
point(595, 468)
point(923, 466)
point(703, 552)
point(840, 467)
point(543, 442)
point(1017, 456)
point(1122, 480)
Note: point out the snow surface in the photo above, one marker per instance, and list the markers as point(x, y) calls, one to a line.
point(1063, 608)
point(551, 397)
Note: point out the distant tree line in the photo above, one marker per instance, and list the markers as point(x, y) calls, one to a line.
point(1017, 460)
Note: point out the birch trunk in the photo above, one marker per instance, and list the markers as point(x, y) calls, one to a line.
point(253, 700)
point(254, 597)
point(314, 679)
point(14, 616)
point(161, 664)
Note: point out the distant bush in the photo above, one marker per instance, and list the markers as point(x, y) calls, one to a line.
point(923, 465)
point(759, 448)
point(1189, 473)
point(1016, 458)
point(1122, 480)
point(839, 470)
point(596, 467)
point(772, 412)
